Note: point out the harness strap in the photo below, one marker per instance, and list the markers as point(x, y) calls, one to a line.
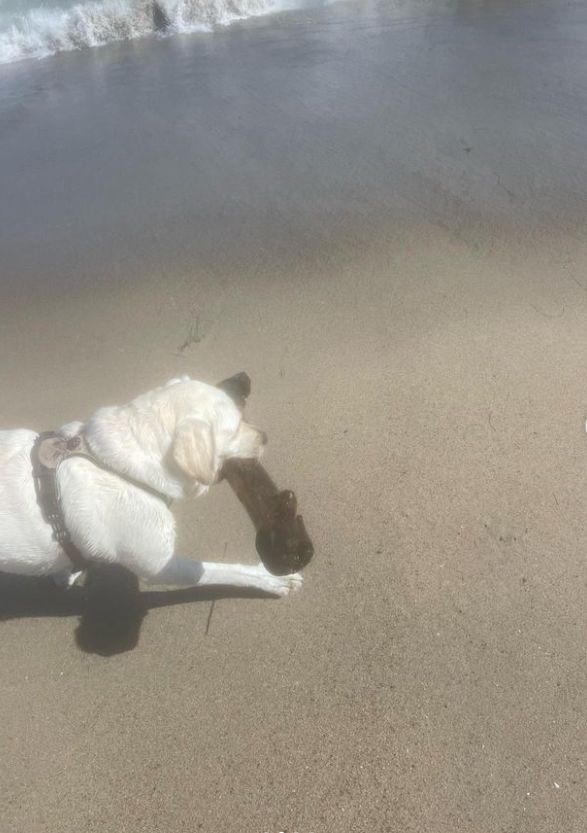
point(50, 449)
point(46, 454)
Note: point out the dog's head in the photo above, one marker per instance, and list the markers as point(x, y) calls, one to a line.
point(176, 438)
point(210, 429)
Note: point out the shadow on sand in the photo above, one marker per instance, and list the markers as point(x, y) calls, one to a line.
point(111, 607)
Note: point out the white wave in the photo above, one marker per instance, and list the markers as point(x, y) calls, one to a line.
point(43, 32)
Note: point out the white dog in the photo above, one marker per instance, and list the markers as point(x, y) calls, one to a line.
point(173, 440)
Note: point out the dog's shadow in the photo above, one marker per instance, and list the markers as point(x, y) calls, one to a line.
point(111, 606)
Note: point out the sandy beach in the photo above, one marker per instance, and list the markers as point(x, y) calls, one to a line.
point(377, 210)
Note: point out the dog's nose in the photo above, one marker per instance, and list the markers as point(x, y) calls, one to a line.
point(264, 438)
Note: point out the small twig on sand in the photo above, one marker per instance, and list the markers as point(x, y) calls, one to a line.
point(579, 284)
point(210, 617)
point(213, 601)
point(193, 336)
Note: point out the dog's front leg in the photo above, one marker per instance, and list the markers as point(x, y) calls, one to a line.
point(181, 572)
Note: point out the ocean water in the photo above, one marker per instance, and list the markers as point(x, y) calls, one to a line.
point(38, 28)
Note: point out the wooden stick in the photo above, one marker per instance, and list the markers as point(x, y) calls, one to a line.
point(282, 542)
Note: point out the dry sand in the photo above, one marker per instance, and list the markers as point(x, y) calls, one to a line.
point(387, 231)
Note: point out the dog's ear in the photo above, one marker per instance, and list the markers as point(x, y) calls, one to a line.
point(238, 387)
point(194, 450)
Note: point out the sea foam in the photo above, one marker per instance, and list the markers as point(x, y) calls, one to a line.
point(41, 32)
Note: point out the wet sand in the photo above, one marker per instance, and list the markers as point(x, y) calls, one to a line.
point(378, 211)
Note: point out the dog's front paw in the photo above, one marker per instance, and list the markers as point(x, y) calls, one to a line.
point(282, 585)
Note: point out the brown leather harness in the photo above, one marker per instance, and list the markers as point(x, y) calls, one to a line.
point(50, 450)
